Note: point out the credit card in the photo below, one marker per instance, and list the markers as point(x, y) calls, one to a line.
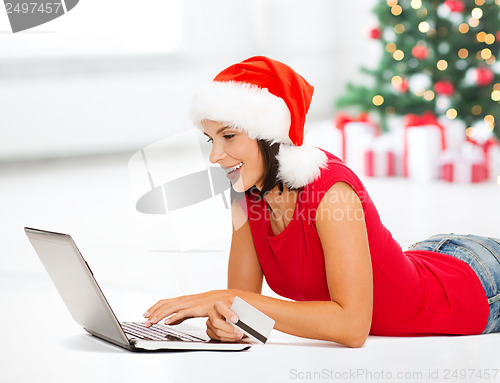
point(252, 322)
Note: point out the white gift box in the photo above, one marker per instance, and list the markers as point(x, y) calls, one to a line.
point(358, 137)
point(423, 149)
point(396, 126)
point(454, 133)
point(380, 157)
point(494, 162)
point(324, 135)
point(465, 166)
point(491, 153)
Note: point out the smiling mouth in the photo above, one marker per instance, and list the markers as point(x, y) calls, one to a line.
point(233, 168)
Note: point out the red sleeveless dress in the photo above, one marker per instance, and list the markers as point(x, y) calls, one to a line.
point(414, 292)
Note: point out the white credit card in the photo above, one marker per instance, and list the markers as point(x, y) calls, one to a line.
point(252, 322)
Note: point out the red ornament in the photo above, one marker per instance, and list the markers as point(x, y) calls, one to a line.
point(484, 76)
point(497, 37)
point(420, 52)
point(444, 88)
point(455, 5)
point(375, 33)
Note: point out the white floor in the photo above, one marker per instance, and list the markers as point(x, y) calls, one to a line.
point(136, 259)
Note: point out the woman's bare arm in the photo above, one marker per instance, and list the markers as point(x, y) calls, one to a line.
point(244, 271)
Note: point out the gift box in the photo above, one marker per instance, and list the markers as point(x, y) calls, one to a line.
point(324, 135)
point(424, 140)
point(356, 136)
point(454, 131)
point(494, 163)
point(468, 165)
point(395, 125)
point(380, 158)
point(491, 151)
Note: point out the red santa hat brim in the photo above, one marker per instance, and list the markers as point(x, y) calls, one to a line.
point(243, 106)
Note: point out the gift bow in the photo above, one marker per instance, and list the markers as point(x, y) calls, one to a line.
point(427, 118)
point(342, 119)
point(414, 120)
point(484, 145)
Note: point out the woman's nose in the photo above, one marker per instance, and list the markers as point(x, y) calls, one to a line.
point(216, 154)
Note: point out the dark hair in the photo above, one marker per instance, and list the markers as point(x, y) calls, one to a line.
point(269, 152)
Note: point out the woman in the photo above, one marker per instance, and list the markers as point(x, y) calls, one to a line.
point(307, 224)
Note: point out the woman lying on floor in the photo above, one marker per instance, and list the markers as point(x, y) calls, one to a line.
point(306, 223)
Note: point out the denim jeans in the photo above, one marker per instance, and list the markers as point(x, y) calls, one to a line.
point(482, 254)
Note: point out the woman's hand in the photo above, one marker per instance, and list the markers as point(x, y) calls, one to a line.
point(213, 304)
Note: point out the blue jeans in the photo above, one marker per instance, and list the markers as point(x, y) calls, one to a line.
point(482, 254)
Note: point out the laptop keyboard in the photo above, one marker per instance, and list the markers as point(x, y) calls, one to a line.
point(138, 330)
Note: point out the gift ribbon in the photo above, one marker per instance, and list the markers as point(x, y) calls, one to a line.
point(415, 121)
point(342, 119)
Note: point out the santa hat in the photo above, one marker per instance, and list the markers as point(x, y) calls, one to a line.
point(268, 100)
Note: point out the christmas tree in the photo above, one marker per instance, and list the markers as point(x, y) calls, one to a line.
point(439, 56)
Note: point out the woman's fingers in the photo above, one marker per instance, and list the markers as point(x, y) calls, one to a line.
point(180, 317)
point(175, 316)
point(165, 308)
point(155, 312)
point(219, 320)
point(223, 309)
point(222, 335)
point(181, 308)
point(218, 328)
point(214, 304)
point(212, 335)
point(157, 306)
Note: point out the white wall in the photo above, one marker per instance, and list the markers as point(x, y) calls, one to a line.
point(79, 106)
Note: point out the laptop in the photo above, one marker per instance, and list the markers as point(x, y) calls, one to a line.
point(87, 304)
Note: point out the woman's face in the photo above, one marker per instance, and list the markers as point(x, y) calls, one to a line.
point(237, 153)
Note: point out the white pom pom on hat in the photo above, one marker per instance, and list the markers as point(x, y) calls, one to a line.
point(268, 100)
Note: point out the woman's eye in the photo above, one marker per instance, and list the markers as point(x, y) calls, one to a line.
point(226, 137)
